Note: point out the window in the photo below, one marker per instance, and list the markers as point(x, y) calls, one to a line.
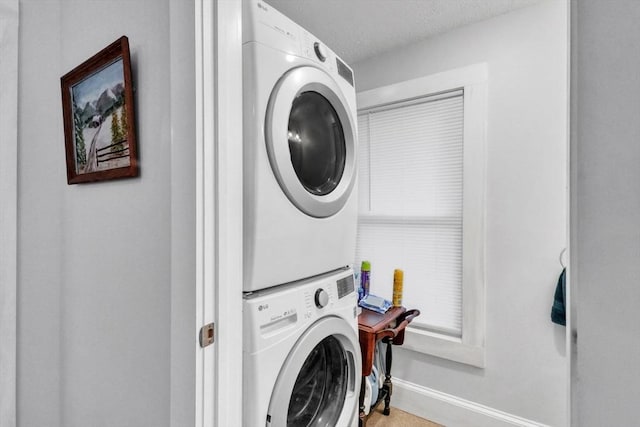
point(421, 195)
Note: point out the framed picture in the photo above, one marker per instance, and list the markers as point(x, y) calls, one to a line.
point(99, 119)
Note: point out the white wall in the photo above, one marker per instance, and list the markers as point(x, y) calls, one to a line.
point(183, 229)
point(605, 211)
point(8, 207)
point(41, 181)
point(103, 303)
point(526, 53)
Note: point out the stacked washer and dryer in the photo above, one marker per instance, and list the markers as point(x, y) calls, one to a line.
point(302, 358)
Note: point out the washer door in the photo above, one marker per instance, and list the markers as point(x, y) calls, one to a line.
point(318, 382)
point(310, 137)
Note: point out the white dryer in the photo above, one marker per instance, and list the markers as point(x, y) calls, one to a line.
point(302, 361)
point(300, 207)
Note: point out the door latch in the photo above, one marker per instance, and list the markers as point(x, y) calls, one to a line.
point(206, 335)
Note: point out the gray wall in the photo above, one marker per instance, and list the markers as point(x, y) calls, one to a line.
point(526, 53)
point(606, 211)
point(105, 308)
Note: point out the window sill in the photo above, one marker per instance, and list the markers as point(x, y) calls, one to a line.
point(444, 346)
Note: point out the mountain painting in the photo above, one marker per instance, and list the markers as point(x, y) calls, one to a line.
point(100, 120)
point(99, 117)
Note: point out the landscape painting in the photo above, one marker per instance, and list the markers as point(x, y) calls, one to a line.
point(98, 110)
point(100, 121)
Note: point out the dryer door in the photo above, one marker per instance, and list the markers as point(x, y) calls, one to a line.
point(311, 137)
point(318, 384)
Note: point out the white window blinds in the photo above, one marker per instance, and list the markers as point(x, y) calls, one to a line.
point(411, 183)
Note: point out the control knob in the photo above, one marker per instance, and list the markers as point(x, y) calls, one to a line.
point(321, 298)
point(321, 51)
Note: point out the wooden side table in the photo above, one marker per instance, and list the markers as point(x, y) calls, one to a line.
point(388, 327)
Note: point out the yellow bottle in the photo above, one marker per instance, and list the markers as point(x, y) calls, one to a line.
point(398, 276)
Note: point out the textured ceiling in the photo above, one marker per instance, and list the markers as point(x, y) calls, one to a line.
point(359, 29)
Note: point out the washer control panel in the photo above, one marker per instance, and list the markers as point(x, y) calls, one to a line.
point(277, 311)
point(317, 298)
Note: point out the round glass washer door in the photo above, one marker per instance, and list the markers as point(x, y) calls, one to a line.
point(317, 384)
point(310, 138)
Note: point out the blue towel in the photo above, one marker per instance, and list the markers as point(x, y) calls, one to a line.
point(558, 314)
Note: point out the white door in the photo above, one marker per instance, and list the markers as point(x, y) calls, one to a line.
point(319, 383)
point(219, 212)
point(311, 141)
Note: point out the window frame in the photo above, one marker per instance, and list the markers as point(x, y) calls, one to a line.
point(470, 347)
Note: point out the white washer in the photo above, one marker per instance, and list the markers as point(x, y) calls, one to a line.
point(300, 207)
point(302, 359)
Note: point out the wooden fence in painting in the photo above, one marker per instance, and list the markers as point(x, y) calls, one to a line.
point(118, 150)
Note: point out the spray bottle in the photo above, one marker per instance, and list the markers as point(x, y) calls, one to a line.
point(398, 276)
point(365, 270)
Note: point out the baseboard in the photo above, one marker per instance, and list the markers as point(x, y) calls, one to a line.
point(451, 411)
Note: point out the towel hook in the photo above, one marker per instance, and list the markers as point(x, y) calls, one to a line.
point(562, 252)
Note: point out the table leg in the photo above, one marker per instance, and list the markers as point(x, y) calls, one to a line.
point(387, 379)
point(363, 418)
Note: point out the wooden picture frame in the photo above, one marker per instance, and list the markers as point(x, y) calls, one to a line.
point(99, 117)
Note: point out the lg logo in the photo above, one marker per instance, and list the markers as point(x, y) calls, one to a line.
point(263, 307)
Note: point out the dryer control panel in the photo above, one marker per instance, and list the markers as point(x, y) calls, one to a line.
point(317, 51)
point(264, 24)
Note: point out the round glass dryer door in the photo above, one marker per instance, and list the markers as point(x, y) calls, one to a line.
point(316, 143)
point(310, 137)
point(317, 385)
